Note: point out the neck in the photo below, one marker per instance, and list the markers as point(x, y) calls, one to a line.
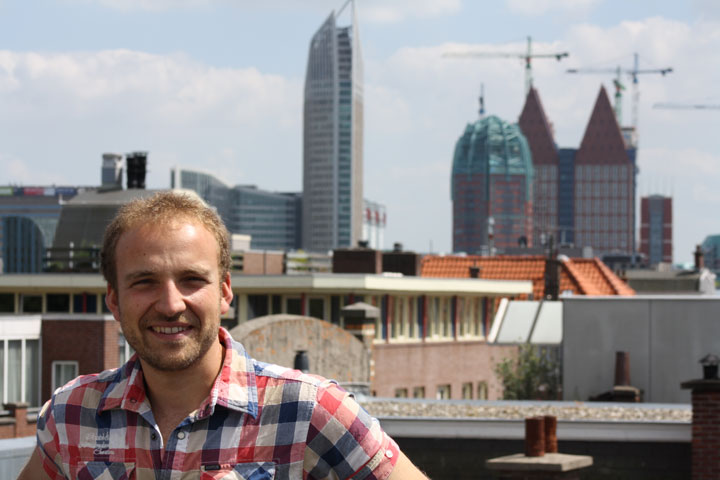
point(177, 393)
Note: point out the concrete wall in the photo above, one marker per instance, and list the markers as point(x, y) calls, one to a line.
point(429, 364)
point(332, 352)
point(666, 337)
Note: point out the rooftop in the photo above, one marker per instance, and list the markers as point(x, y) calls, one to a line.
point(581, 276)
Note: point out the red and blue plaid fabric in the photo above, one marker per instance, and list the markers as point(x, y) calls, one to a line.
point(260, 421)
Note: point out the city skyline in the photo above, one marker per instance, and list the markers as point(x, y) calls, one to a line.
point(218, 86)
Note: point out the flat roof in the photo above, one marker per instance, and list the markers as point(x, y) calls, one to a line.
point(316, 282)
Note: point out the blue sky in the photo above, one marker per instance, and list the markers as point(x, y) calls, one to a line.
point(217, 85)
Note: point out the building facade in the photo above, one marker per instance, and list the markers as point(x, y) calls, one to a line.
point(272, 219)
point(546, 188)
point(585, 196)
point(491, 187)
point(29, 217)
point(656, 229)
point(333, 137)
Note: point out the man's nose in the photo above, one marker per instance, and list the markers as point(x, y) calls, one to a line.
point(171, 301)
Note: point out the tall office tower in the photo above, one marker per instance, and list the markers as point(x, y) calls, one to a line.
point(491, 188)
point(656, 229)
point(604, 200)
point(538, 131)
point(333, 136)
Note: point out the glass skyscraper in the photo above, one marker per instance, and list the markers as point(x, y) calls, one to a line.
point(333, 137)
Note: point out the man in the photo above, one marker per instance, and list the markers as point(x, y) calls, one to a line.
point(192, 403)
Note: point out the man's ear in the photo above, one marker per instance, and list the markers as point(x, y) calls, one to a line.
point(226, 294)
point(111, 300)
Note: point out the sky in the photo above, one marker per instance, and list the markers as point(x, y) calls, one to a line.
point(217, 85)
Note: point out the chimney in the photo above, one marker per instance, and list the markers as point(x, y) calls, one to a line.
point(112, 170)
point(699, 258)
point(474, 271)
point(622, 369)
point(136, 169)
point(705, 419)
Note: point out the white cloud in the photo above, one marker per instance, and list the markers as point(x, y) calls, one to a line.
point(181, 110)
point(538, 7)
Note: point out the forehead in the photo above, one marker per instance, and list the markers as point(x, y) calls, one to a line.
point(170, 237)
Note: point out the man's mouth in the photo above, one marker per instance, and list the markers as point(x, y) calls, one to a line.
point(169, 330)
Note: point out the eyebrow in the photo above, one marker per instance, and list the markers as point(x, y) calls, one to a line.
point(205, 272)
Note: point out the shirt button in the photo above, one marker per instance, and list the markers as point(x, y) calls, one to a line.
point(181, 435)
point(388, 453)
point(153, 436)
point(133, 400)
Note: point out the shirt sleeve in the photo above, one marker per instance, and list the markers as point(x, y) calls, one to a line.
point(47, 441)
point(344, 441)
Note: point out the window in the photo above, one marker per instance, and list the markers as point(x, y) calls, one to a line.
point(84, 303)
point(443, 392)
point(482, 391)
point(20, 371)
point(257, 306)
point(7, 302)
point(125, 351)
point(293, 306)
point(62, 372)
point(58, 302)
point(401, 393)
point(419, 392)
point(31, 303)
point(317, 308)
point(467, 391)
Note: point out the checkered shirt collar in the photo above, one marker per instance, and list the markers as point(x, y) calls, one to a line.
point(234, 388)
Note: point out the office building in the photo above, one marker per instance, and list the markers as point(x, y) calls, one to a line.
point(29, 217)
point(656, 229)
point(585, 196)
point(333, 136)
point(272, 219)
point(491, 188)
point(538, 131)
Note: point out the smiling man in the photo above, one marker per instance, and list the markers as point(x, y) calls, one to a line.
point(191, 403)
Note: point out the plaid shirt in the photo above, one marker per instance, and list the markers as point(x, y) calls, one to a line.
point(260, 421)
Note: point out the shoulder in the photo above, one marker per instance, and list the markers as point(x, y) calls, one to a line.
point(85, 390)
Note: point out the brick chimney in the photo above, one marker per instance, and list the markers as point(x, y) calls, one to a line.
point(705, 421)
point(699, 258)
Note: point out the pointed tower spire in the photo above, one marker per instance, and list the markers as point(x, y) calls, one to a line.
point(603, 142)
point(538, 131)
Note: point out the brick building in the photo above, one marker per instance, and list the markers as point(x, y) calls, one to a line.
point(656, 229)
point(583, 196)
point(491, 186)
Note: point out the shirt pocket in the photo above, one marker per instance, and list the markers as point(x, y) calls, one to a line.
point(106, 471)
point(240, 471)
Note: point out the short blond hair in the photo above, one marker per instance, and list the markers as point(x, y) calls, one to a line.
point(162, 208)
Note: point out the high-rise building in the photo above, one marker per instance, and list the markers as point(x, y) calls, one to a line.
point(604, 200)
point(586, 196)
point(491, 187)
point(333, 137)
point(656, 229)
point(538, 131)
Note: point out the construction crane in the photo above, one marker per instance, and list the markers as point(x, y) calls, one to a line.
point(687, 106)
point(527, 56)
point(619, 87)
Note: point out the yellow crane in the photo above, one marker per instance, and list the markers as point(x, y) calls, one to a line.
point(527, 56)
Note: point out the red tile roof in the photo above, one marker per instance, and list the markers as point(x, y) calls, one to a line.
point(582, 276)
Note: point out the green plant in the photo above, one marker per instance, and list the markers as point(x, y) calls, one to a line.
point(533, 375)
